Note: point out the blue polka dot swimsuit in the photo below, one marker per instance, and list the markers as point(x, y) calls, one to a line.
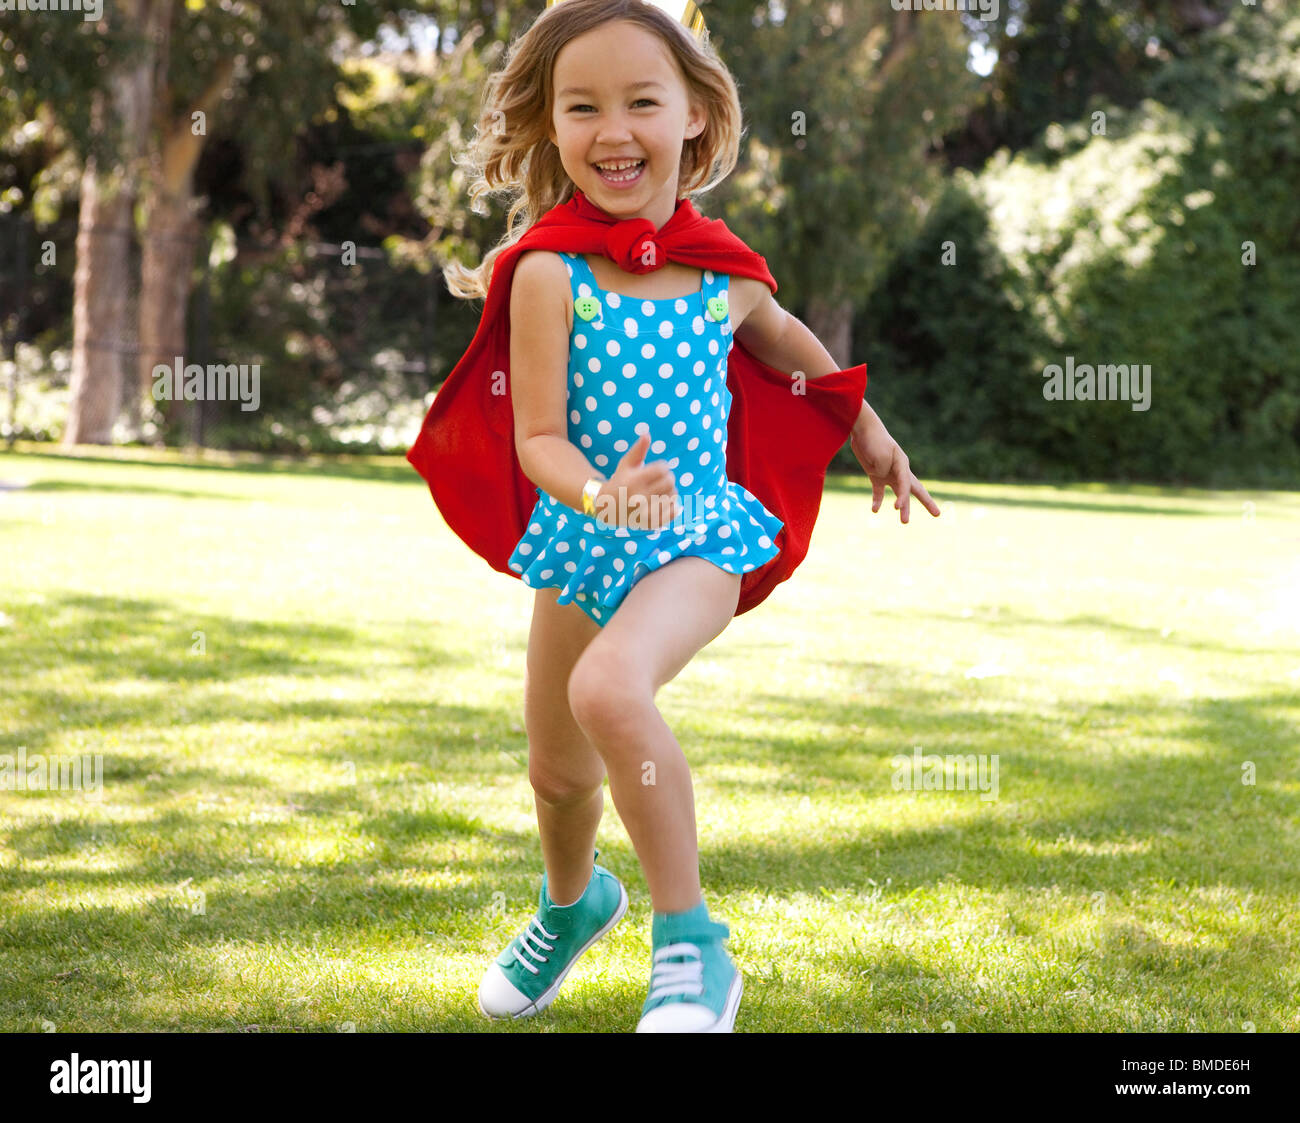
point(656, 366)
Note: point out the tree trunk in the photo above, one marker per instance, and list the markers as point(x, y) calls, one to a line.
point(99, 308)
point(170, 237)
point(102, 277)
point(831, 321)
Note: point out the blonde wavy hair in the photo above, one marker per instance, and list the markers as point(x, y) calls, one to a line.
point(512, 153)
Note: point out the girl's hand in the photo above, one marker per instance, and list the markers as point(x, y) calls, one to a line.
point(886, 464)
point(646, 492)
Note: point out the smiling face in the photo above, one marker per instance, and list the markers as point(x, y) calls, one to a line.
point(619, 98)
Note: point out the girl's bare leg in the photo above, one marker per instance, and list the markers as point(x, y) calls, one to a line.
point(566, 772)
point(668, 616)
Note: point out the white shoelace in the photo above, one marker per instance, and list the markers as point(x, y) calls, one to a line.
point(677, 978)
point(529, 934)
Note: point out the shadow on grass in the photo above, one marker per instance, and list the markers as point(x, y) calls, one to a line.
point(131, 489)
point(381, 469)
point(104, 641)
point(849, 484)
point(1002, 618)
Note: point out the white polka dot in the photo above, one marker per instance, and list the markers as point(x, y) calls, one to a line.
point(613, 299)
point(697, 325)
point(586, 440)
point(658, 447)
point(661, 410)
point(603, 427)
point(665, 556)
point(680, 307)
point(625, 409)
point(534, 528)
point(645, 390)
point(629, 369)
point(630, 329)
point(679, 427)
point(648, 351)
point(545, 573)
point(575, 417)
point(692, 444)
point(524, 548)
point(593, 365)
point(666, 370)
point(764, 541)
point(680, 389)
point(687, 479)
point(666, 329)
point(699, 369)
point(577, 379)
point(516, 567)
point(612, 347)
point(580, 341)
point(724, 531)
point(704, 458)
point(648, 307)
point(590, 403)
point(683, 349)
point(608, 388)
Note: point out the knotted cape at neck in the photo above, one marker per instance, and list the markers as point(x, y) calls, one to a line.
point(781, 433)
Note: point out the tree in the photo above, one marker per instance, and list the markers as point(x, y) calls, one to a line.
point(108, 186)
point(843, 102)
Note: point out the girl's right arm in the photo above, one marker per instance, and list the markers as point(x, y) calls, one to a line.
point(539, 362)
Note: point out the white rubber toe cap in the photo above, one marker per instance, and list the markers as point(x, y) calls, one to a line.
point(498, 997)
point(678, 1017)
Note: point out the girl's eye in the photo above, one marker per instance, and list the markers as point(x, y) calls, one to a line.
point(638, 101)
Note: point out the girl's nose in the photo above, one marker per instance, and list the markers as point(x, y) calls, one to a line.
point(612, 130)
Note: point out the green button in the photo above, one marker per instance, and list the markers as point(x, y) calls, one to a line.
point(588, 307)
point(718, 308)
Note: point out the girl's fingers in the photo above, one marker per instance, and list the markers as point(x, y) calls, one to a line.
point(903, 502)
point(919, 491)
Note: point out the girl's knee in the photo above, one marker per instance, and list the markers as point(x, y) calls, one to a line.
point(562, 789)
point(607, 692)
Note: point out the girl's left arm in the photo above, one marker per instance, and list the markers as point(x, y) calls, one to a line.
point(776, 338)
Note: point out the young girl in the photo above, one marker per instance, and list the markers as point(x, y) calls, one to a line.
point(624, 474)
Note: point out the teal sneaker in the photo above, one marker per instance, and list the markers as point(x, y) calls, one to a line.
point(694, 986)
point(525, 978)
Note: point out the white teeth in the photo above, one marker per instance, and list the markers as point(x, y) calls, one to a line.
point(621, 176)
point(624, 166)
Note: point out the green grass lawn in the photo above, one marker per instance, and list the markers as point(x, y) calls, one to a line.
point(315, 813)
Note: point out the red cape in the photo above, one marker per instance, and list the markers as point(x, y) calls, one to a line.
point(779, 443)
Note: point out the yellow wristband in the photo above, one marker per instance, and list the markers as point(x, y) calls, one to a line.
point(589, 492)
